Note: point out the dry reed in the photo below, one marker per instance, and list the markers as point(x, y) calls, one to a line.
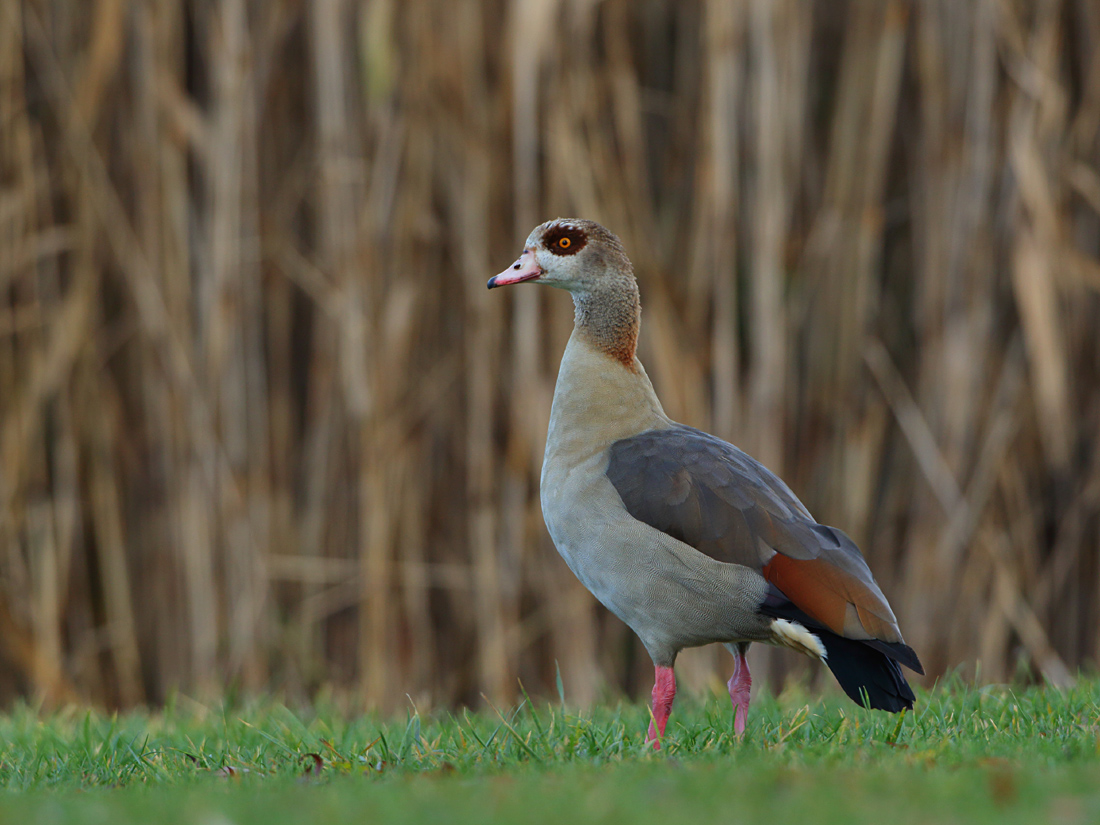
point(261, 422)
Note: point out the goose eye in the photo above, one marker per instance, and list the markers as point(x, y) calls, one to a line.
point(564, 243)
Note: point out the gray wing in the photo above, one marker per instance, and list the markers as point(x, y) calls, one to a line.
point(721, 501)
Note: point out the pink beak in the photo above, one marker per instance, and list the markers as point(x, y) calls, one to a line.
point(524, 269)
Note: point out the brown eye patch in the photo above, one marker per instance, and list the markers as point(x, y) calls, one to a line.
point(565, 240)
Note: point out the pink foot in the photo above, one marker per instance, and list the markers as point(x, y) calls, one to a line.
point(740, 684)
point(664, 691)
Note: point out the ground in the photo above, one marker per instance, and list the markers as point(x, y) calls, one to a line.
point(965, 755)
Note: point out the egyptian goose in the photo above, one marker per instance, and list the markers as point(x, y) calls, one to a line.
point(682, 536)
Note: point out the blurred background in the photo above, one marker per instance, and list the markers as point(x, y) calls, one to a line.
point(263, 427)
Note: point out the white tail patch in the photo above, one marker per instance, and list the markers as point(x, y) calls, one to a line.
point(795, 636)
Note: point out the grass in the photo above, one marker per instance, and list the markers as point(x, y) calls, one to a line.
point(964, 755)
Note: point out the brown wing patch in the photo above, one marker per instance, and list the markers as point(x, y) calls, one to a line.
point(838, 600)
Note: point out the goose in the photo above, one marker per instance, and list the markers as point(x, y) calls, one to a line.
point(683, 536)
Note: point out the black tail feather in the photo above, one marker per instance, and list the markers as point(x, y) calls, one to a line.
point(900, 652)
point(860, 668)
point(867, 670)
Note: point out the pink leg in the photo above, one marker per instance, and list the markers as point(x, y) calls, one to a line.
point(740, 684)
point(664, 691)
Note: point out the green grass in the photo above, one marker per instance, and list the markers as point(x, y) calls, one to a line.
point(964, 755)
